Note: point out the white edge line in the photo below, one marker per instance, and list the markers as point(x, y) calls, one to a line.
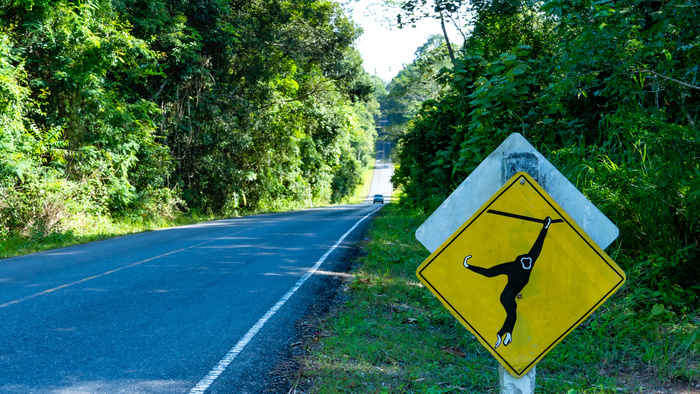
point(221, 366)
point(63, 286)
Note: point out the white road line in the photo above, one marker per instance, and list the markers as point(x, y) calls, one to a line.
point(221, 366)
point(29, 297)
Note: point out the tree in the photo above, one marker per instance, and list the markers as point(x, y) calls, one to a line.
point(608, 91)
point(410, 11)
point(15, 105)
point(135, 107)
point(415, 84)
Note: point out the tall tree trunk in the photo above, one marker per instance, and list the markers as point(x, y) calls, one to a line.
point(447, 39)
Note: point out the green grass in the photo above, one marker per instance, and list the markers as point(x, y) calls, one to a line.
point(84, 228)
point(362, 191)
point(91, 229)
point(393, 336)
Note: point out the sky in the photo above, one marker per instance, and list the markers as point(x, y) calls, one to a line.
point(385, 50)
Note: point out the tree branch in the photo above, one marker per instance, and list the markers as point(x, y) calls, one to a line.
point(447, 39)
point(678, 81)
point(316, 89)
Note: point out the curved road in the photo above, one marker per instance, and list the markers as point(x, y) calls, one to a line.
point(200, 308)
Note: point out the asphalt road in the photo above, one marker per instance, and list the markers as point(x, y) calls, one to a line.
point(206, 307)
point(157, 312)
point(383, 171)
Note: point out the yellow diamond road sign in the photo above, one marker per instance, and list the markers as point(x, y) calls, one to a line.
point(520, 274)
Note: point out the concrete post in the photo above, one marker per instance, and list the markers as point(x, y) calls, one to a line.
point(509, 384)
point(513, 163)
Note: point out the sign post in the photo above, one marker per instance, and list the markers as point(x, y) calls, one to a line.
point(507, 383)
point(520, 271)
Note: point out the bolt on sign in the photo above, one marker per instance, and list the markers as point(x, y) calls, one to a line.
point(520, 274)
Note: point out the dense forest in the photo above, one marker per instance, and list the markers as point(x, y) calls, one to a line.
point(608, 91)
point(141, 108)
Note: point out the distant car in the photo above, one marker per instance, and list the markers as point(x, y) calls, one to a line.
point(378, 198)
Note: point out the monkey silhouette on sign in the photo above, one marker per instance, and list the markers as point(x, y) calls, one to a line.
point(518, 272)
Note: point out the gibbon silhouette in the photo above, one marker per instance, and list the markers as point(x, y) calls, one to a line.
point(518, 272)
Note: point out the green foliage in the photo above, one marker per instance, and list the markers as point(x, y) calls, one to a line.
point(609, 92)
point(217, 106)
point(413, 85)
point(391, 335)
point(15, 106)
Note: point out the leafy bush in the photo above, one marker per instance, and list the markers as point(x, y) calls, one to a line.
point(219, 107)
point(608, 92)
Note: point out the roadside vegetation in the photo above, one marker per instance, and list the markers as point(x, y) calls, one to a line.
point(94, 229)
point(89, 230)
point(123, 115)
point(392, 336)
point(609, 92)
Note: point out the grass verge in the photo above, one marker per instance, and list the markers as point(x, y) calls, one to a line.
point(92, 229)
point(89, 230)
point(82, 228)
point(362, 191)
point(393, 336)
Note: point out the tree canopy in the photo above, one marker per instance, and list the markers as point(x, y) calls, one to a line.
point(609, 92)
point(141, 107)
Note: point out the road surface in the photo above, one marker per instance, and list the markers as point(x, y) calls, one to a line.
point(383, 171)
point(201, 308)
